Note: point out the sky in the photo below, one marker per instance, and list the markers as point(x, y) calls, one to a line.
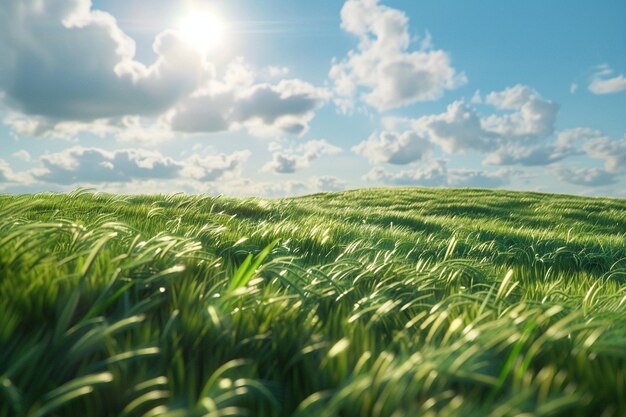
point(287, 97)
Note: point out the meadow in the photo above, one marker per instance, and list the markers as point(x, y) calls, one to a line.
point(384, 302)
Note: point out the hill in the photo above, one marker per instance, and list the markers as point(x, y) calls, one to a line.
point(384, 302)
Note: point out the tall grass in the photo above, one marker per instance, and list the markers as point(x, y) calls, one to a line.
point(387, 302)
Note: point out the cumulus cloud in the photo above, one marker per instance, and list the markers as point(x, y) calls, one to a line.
point(590, 177)
point(432, 175)
point(275, 71)
point(519, 131)
point(10, 177)
point(68, 69)
point(394, 148)
point(283, 163)
point(476, 98)
point(530, 156)
point(532, 116)
point(27, 125)
point(79, 165)
point(437, 174)
point(566, 144)
point(464, 178)
point(521, 115)
point(5, 172)
point(611, 151)
point(264, 109)
point(328, 183)
point(458, 129)
point(93, 165)
point(289, 160)
point(604, 82)
point(383, 68)
point(205, 113)
point(63, 60)
point(576, 136)
point(125, 129)
point(215, 167)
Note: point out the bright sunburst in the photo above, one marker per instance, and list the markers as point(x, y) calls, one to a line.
point(202, 29)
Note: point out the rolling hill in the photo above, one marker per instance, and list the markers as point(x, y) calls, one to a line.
point(381, 302)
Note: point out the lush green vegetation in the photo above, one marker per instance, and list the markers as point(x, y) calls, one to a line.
point(386, 302)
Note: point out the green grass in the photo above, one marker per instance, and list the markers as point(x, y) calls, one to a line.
point(390, 302)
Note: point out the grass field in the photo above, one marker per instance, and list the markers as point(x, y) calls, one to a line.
point(391, 302)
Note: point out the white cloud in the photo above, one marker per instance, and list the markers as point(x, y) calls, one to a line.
point(463, 178)
point(432, 175)
point(27, 125)
point(275, 71)
point(70, 69)
point(137, 129)
point(437, 174)
point(64, 61)
point(285, 108)
point(603, 83)
point(125, 129)
point(476, 98)
point(215, 167)
point(144, 172)
point(518, 131)
point(576, 136)
point(79, 165)
point(573, 88)
point(205, 113)
point(10, 177)
point(394, 148)
point(382, 67)
point(590, 177)
point(459, 129)
point(23, 155)
point(93, 165)
point(327, 183)
point(286, 161)
point(521, 115)
point(532, 116)
point(5, 172)
point(530, 155)
point(566, 144)
point(611, 151)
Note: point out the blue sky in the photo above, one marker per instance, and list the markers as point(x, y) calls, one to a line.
point(286, 97)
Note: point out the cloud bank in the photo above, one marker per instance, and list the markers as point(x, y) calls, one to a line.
point(437, 174)
point(94, 165)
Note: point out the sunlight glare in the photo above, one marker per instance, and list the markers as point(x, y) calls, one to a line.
point(202, 29)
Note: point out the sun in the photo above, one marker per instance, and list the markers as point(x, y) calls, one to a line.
point(202, 29)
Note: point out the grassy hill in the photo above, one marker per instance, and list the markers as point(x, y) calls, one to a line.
point(387, 302)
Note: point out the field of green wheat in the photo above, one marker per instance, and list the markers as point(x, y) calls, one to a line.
point(390, 302)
